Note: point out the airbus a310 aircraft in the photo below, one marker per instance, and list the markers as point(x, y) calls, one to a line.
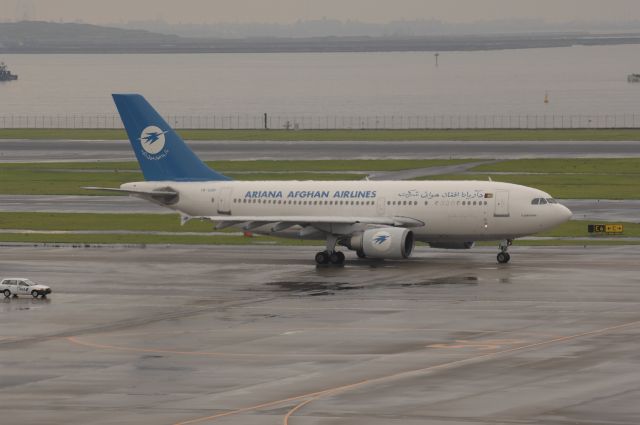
point(376, 219)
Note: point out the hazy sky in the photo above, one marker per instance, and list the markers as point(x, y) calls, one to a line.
point(199, 11)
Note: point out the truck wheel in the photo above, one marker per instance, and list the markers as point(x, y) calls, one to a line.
point(34, 294)
point(7, 293)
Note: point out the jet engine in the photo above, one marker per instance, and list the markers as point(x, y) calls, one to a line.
point(388, 242)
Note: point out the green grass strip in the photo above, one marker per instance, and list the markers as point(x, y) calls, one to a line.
point(143, 239)
point(568, 242)
point(566, 165)
point(41, 182)
point(68, 178)
point(100, 222)
point(250, 166)
point(578, 228)
point(171, 223)
point(339, 135)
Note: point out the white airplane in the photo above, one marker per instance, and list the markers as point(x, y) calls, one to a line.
point(377, 219)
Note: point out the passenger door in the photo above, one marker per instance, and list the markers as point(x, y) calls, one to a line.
point(23, 288)
point(224, 201)
point(502, 204)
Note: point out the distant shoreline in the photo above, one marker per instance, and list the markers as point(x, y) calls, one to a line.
point(64, 38)
point(318, 46)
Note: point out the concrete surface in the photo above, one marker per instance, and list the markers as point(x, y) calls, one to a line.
point(260, 335)
point(74, 150)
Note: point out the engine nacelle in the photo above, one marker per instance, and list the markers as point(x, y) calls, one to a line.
point(394, 243)
point(452, 245)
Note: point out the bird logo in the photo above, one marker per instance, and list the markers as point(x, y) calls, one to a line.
point(152, 139)
point(381, 241)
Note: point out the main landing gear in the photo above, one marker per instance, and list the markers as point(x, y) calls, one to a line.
point(330, 255)
point(325, 257)
point(503, 255)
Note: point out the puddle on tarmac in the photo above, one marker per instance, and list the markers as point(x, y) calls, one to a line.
point(447, 280)
point(314, 288)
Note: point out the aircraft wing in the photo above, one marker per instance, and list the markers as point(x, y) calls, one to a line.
point(284, 221)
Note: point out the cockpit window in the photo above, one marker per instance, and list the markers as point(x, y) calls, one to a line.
point(543, 201)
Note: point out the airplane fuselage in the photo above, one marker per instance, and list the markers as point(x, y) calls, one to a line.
point(449, 210)
point(376, 219)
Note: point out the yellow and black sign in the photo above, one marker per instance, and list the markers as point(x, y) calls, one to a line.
point(610, 229)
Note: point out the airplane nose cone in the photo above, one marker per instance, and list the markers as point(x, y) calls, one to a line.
point(565, 213)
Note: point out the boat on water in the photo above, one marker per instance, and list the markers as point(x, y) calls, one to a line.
point(5, 74)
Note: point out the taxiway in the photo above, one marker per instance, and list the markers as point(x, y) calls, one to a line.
point(260, 335)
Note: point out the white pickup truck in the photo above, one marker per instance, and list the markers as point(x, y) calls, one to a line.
point(21, 286)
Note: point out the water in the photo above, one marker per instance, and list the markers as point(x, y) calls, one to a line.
point(579, 80)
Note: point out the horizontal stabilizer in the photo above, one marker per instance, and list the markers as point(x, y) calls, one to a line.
point(160, 196)
point(134, 192)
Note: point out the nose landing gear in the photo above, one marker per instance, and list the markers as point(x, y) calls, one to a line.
point(503, 255)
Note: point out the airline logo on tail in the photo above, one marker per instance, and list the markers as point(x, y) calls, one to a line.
point(152, 141)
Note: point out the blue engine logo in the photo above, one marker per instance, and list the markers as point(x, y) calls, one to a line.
point(381, 241)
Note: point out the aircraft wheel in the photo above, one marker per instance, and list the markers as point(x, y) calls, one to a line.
point(322, 257)
point(336, 257)
point(503, 258)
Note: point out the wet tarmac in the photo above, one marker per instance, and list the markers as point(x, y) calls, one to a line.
point(120, 150)
point(260, 335)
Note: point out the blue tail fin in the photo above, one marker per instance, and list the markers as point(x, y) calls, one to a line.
point(161, 153)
